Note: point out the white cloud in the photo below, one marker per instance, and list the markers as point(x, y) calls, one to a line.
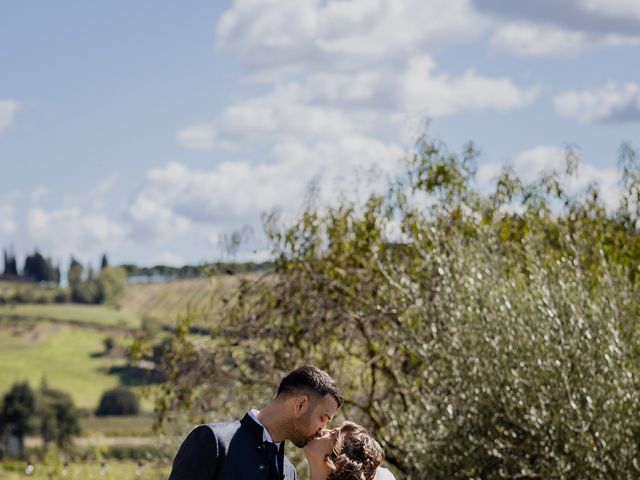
point(346, 35)
point(237, 192)
point(542, 159)
point(442, 94)
point(558, 29)
point(66, 231)
point(150, 218)
point(538, 40)
point(607, 104)
point(613, 8)
point(343, 85)
point(487, 173)
point(330, 105)
point(598, 17)
point(7, 220)
point(198, 137)
point(282, 114)
point(530, 164)
point(8, 110)
point(541, 40)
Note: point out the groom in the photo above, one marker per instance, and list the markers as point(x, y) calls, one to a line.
point(253, 448)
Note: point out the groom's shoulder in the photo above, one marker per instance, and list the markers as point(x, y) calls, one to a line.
point(224, 426)
point(223, 430)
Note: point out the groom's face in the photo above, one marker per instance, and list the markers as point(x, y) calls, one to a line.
point(311, 418)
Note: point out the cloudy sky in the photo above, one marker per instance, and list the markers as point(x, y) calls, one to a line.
point(151, 129)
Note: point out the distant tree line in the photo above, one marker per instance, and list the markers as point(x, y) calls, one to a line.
point(38, 268)
point(194, 271)
point(88, 286)
point(85, 285)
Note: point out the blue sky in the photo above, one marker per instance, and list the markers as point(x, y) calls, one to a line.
point(151, 129)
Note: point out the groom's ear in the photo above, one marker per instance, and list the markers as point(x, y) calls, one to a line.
point(301, 403)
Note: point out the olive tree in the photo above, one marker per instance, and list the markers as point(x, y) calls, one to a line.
point(478, 334)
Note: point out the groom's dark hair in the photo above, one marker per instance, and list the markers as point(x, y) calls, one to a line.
point(310, 380)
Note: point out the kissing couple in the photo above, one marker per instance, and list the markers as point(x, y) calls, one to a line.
point(253, 448)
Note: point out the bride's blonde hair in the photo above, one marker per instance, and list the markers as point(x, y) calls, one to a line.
point(355, 456)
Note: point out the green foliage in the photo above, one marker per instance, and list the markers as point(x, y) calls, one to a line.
point(59, 419)
point(194, 271)
point(52, 410)
point(39, 269)
point(150, 326)
point(478, 335)
point(109, 343)
point(104, 263)
point(112, 282)
point(17, 413)
point(74, 274)
point(86, 292)
point(106, 288)
point(10, 263)
point(12, 292)
point(118, 401)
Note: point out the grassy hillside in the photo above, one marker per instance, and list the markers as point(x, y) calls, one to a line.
point(166, 301)
point(91, 315)
point(69, 357)
point(64, 342)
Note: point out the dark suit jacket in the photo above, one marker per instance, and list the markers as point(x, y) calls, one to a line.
point(228, 451)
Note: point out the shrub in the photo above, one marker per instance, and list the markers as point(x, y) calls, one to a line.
point(109, 343)
point(86, 292)
point(118, 401)
point(62, 296)
point(151, 326)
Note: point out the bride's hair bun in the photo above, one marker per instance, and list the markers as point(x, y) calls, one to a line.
point(356, 455)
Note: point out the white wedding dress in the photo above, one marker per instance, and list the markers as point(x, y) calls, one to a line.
point(383, 474)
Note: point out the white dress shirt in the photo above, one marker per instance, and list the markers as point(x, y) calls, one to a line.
point(266, 436)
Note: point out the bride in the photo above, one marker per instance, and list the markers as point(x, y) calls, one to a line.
point(348, 452)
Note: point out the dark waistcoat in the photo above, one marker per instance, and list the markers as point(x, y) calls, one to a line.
point(228, 451)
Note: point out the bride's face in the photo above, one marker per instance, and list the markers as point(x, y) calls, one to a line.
point(322, 445)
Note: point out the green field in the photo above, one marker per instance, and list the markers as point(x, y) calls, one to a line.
point(85, 471)
point(24, 292)
point(121, 426)
point(100, 316)
point(64, 342)
point(69, 357)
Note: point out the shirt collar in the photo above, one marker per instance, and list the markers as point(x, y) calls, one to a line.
point(266, 437)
